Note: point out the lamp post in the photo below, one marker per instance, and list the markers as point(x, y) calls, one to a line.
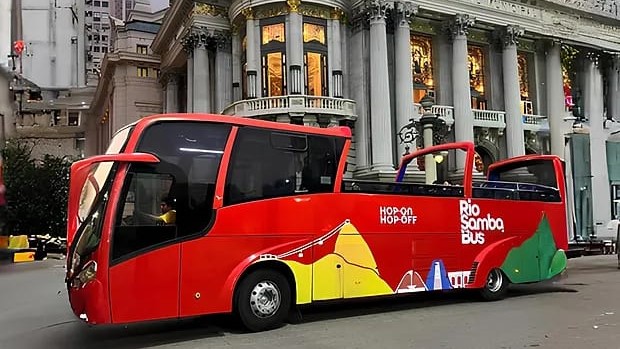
point(428, 130)
point(428, 121)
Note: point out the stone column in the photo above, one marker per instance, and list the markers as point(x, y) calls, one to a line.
point(404, 12)
point(236, 64)
point(294, 39)
point(512, 96)
point(461, 95)
point(202, 76)
point(555, 97)
point(335, 52)
point(601, 198)
point(612, 88)
point(172, 95)
point(252, 54)
point(380, 115)
point(358, 61)
point(190, 82)
point(223, 72)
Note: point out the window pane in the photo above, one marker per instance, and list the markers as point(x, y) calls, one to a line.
point(292, 165)
point(476, 68)
point(421, 65)
point(274, 74)
point(476, 76)
point(191, 152)
point(314, 73)
point(314, 32)
point(273, 32)
point(523, 76)
point(142, 221)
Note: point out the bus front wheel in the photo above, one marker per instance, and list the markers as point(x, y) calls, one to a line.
point(263, 300)
point(496, 286)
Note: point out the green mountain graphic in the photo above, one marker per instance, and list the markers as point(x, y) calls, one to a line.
point(538, 257)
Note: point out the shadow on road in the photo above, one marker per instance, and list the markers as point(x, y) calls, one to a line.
point(75, 334)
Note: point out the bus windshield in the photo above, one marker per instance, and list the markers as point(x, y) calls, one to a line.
point(93, 198)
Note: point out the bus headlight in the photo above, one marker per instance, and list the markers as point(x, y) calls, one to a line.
point(86, 275)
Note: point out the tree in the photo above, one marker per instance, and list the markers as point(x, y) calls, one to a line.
point(37, 191)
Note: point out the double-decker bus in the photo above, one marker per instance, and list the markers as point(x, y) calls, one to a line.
point(265, 220)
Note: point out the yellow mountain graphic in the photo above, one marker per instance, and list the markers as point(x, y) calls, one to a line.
point(350, 271)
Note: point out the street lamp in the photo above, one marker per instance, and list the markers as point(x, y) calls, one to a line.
point(428, 121)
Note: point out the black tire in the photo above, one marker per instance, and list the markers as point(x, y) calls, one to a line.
point(271, 310)
point(495, 287)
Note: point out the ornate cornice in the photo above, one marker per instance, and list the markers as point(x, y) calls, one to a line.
point(404, 13)
point(511, 35)
point(459, 25)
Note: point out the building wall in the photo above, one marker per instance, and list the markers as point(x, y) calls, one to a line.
point(50, 57)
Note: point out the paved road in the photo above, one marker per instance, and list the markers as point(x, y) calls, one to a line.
point(579, 310)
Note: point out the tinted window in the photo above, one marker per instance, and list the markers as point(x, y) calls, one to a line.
point(267, 164)
point(173, 198)
point(534, 172)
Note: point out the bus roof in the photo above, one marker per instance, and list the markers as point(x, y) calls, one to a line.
point(339, 131)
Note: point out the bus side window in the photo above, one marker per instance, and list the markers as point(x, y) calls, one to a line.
point(143, 220)
point(266, 164)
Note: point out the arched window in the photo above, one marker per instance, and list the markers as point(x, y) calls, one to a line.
point(273, 57)
point(315, 57)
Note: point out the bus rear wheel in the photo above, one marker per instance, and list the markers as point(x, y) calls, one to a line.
point(496, 286)
point(263, 300)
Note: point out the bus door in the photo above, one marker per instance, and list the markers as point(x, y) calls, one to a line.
point(144, 258)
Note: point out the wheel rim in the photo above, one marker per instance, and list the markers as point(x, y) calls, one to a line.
point(495, 280)
point(265, 299)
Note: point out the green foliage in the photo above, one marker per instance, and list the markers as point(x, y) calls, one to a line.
point(37, 191)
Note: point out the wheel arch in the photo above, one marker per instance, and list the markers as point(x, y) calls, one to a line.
point(491, 257)
point(274, 265)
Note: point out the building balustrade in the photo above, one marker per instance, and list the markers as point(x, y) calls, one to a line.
point(293, 104)
point(535, 122)
point(489, 118)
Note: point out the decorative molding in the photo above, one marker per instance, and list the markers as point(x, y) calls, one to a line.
point(248, 13)
point(315, 11)
point(594, 57)
point(210, 10)
point(376, 10)
point(424, 27)
point(605, 8)
point(337, 14)
point(293, 5)
point(511, 35)
point(222, 40)
point(404, 13)
point(206, 38)
point(271, 11)
point(459, 25)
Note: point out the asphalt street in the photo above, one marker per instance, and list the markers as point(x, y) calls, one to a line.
point(581, 309)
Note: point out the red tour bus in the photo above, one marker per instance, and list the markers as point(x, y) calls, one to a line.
point(265, 220)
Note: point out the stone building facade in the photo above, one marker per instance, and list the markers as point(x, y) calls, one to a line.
point(515, 77)
point(128, 88)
